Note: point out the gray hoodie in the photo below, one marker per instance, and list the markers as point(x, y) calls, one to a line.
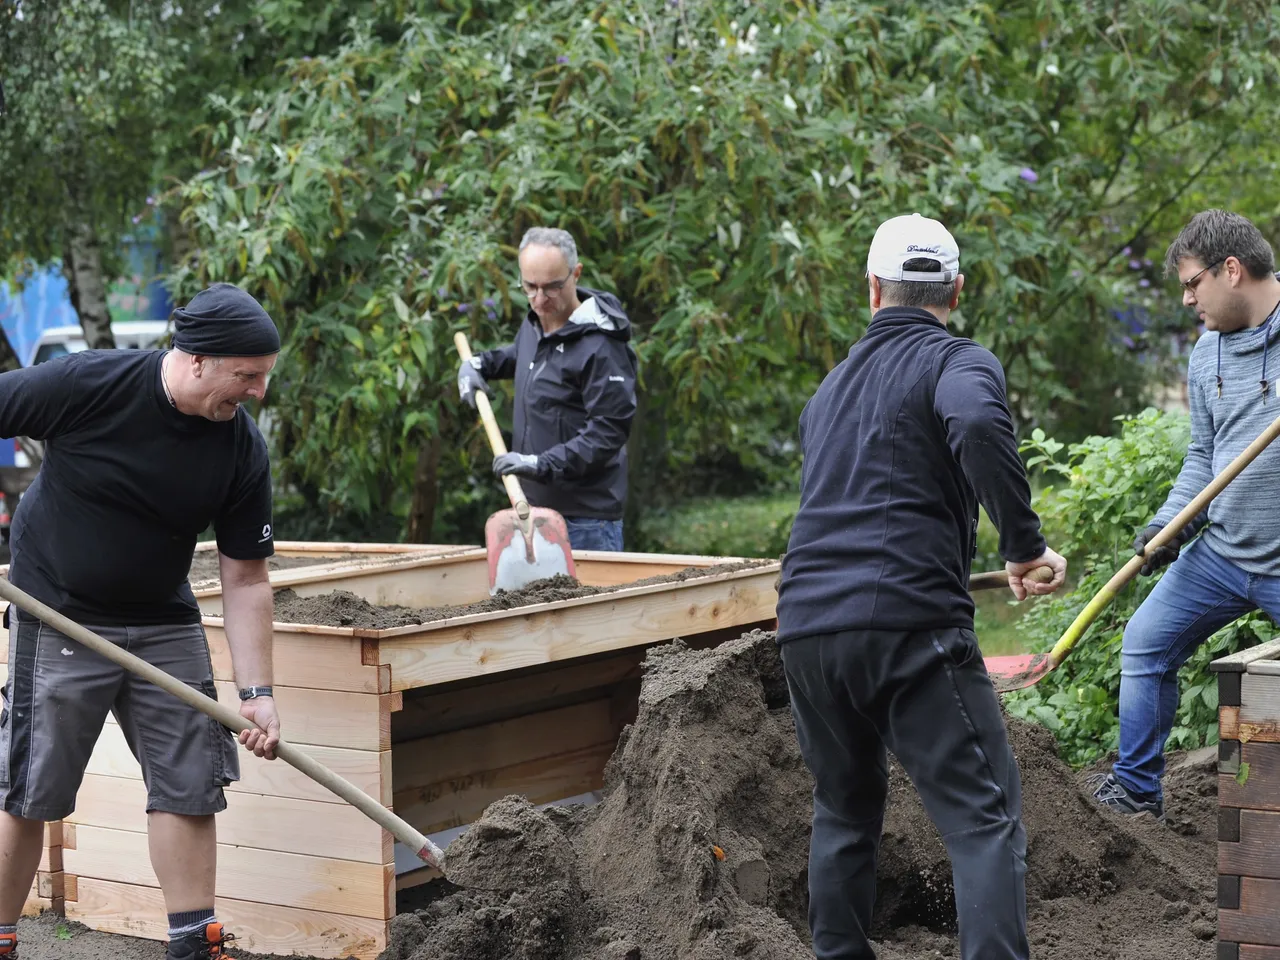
point(1230, 408)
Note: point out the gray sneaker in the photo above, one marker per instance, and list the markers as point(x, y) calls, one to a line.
point(1111, 793)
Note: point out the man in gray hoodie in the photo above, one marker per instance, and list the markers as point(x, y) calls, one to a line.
point(1227, 272)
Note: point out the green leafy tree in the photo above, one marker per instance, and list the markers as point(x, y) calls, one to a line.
point(723, 168)
point(86, 83)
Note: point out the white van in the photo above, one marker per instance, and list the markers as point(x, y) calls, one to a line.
point(129, 334)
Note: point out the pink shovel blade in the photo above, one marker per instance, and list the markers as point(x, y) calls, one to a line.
point(516, 561)
point(1018, 672)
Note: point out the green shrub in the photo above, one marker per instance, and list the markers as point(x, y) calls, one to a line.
point(1106, 489)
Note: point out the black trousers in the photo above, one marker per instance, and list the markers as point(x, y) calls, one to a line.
point(927, 697)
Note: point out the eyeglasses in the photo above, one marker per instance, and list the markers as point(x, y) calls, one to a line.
point(1190, 285)
point(550, 289)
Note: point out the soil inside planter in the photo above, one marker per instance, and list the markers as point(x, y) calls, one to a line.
point(699, 849)
point(341, 608)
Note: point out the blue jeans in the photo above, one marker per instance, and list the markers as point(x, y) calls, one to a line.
point(589, 533)
point(1198, 595)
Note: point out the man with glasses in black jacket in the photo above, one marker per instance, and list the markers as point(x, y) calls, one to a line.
point(575, 393)
point(902, 441)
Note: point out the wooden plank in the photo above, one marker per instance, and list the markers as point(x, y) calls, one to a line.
point(461, 801)
point(303, 660)
point(469, 703)
point(413, 581)
point(599, 568)
point(50, 860)
point(1257, 852)
point(1264, 668)
point(340, 831)
point(49, 884)
point(1258, 919)
point(1230, 727)
point(368, 770)
point(70, 887)
point(1259, 699)
point(546, 633)
point(1261, 789)
point(1249, 951)
point(1239, 662)
point(261, 929)
point(264, 876)
point(475, 750)
point(325, 718)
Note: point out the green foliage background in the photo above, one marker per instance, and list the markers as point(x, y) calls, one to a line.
point(1106, 489)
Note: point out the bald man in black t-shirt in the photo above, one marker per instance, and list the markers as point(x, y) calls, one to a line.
point(143, 451)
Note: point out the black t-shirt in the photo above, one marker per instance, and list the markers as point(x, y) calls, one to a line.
point(106, 533)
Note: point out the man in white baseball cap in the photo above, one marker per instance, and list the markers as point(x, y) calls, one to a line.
point(902, 441)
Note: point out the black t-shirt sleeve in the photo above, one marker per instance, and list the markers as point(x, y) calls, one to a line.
point(243, 525)
point(38, 402)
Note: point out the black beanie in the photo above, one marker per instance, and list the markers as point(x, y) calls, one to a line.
point(224, 321)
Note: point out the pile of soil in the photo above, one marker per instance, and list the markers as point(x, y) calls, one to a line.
point(204, 565)
point(699, 849)
point(341, 608)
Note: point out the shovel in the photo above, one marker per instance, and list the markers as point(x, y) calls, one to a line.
point(427, 851)
point(1015, 673)
point(524, 543)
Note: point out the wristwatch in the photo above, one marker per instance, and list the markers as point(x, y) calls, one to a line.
point(250, 693)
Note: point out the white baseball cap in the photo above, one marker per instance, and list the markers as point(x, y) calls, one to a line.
point(910, 237)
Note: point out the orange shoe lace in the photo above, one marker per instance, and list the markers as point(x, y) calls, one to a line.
point(217, 938)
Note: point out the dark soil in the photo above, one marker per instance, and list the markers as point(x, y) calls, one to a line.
point(204, 565)
point(342, 608)
point(699, 849)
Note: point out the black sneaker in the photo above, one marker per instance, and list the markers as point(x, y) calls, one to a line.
point(207, 944)
point(1111, 793)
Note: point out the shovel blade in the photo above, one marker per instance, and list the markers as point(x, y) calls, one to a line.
point(515, 561)
point(1017, 673)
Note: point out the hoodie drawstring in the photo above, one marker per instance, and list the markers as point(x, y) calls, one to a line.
point(1266, 349)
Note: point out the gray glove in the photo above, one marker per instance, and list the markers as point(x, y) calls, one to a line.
point(521, 464)
point(469, 381)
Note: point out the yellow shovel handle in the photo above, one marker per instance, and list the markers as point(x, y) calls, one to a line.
point(1168, 532)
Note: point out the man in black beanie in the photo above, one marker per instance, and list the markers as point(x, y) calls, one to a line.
point(144, 450)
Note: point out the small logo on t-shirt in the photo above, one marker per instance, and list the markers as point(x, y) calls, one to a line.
point(266, 533)
point(613, 379)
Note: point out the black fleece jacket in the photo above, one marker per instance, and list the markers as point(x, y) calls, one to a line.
point(901, 442)
point(575, 400)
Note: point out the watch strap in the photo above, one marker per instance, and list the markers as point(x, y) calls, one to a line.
point(252, 693)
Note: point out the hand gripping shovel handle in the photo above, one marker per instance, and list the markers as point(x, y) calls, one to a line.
point(514, 490)
point(1170, 530)
point(427, 851)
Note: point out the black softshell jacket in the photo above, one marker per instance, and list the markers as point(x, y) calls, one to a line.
point(575, 397)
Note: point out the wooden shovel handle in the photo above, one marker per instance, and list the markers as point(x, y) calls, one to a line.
point(995, 579)
point(514, 490)
point(402, 831)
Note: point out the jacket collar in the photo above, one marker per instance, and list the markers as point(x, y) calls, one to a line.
point(904, 316)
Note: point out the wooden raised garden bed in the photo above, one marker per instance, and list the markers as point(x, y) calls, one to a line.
point(1249, 804)
point(436, 720)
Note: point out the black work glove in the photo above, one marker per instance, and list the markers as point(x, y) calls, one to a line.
point(469, 381)
point(1169, 552)
point(521, 464)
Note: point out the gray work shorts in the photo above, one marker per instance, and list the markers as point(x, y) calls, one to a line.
point(56, 702)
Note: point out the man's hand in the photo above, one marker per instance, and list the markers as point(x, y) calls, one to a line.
point(261, 742)
point(1163, 556)
point(469, 381)
point(521, 464)
point(1021, 583)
